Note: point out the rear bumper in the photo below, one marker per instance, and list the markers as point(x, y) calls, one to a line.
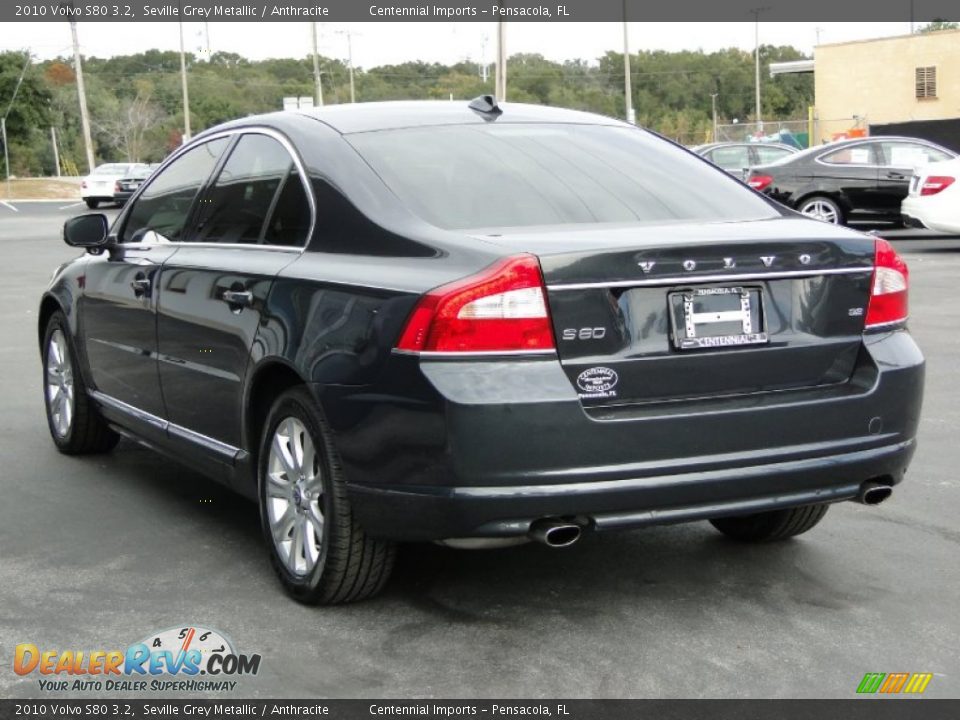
point(487, 448)
point(438, 513)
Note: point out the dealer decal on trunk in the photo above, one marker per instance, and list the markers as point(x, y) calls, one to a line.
point(598, 382)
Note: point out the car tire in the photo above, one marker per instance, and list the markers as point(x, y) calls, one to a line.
point(92, 204)
point(820, 207)
point(75, 423)
point(771, 526)
point(317, 548)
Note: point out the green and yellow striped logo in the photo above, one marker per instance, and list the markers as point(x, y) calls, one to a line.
point(890, 683)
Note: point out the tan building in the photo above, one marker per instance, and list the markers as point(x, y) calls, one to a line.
point(902, 82)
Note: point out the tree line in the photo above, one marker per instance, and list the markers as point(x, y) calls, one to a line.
point(136, 107)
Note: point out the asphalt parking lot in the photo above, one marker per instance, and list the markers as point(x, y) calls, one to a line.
point(95, 553)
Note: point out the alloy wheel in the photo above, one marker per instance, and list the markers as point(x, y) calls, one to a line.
point(821, 210)
point(294, 497)
point(60, 386)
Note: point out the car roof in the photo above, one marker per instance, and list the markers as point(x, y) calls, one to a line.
point(744, 143)
point(367, 117)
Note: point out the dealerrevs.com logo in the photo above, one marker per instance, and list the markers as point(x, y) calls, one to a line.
point(170, 660)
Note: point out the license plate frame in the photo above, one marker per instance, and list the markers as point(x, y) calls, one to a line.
point(696, 311)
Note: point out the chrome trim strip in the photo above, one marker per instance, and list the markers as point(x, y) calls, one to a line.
point(694, 279)
point(879, 327)
point(209, 443)
point(452, 355)
point(123, 407)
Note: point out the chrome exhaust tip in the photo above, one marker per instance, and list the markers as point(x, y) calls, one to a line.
point(873, 493)
point(555, 533)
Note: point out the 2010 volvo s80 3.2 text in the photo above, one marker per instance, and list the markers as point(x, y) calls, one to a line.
point(478, 325)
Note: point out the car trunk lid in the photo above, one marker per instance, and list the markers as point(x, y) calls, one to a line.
point(666, 313)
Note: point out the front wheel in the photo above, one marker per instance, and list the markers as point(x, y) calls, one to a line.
point(317, 549)
point(76, 426)
point(823, 209)
point(771, 526)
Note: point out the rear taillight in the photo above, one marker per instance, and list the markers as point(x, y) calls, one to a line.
point(501, 309)
point(935, 183)
point(116, 187)
point(83, 184)
point(888, 290)
point(760, 182)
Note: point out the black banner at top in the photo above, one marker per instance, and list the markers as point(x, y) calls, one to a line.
point(477, 10)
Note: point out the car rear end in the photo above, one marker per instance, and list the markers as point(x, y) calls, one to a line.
point(617, 375)
point(934, 198)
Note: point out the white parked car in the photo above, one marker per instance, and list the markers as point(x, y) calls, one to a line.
point(99, 185)
point(934, 198)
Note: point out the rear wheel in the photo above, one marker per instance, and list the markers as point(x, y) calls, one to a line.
point(92, 203)
point(318, 550)
point(771, 526)
point(76, 426)
point(822, 208)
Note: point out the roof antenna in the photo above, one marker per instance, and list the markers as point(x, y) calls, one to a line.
point(486, 106)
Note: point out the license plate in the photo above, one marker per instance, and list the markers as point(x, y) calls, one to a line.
point(716, 317)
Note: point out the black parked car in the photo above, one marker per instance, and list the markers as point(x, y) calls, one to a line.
point(736, 158)
point(479, 325)
point(127, 185)
point(850, 180)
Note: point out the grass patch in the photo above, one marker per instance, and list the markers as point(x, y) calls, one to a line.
point(41, 189)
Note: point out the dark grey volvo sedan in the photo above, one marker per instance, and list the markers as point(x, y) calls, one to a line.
point(480, 325)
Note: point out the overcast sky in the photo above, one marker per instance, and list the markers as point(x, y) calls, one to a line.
point(384, 43)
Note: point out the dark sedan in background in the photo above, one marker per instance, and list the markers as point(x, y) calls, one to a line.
point(862, 180)
point(738, 158)
point(129, 183)
point(480, 325)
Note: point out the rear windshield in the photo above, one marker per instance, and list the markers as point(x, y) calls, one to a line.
point(111, 169)
point(520, 175)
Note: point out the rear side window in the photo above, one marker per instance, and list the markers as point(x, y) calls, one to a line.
point(853, 155)
point(163, 206)
point(906, 154)
point(258, 198)
point(767, 154)
point(514, 175)
point(736, 157)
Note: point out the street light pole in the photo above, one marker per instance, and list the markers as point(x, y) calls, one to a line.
point(316, 65)
point(186, 94)
point(627, 88)
point(756, 19)
point(500, 75)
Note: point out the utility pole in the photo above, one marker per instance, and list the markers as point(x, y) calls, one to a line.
point(500, 71)
point(756, 19)
point(186, 94)
point(353, 91)
point(81, 91)
point(56, 151)
point(483, 58)
point(627, 87)
point(713, 100)
point(6, 153)
point(316, 66)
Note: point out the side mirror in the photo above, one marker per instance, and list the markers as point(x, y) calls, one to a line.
point(86, 231)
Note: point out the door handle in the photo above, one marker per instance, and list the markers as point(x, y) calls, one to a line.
point(238, 298)
point(140, 285)
point(896, 176)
